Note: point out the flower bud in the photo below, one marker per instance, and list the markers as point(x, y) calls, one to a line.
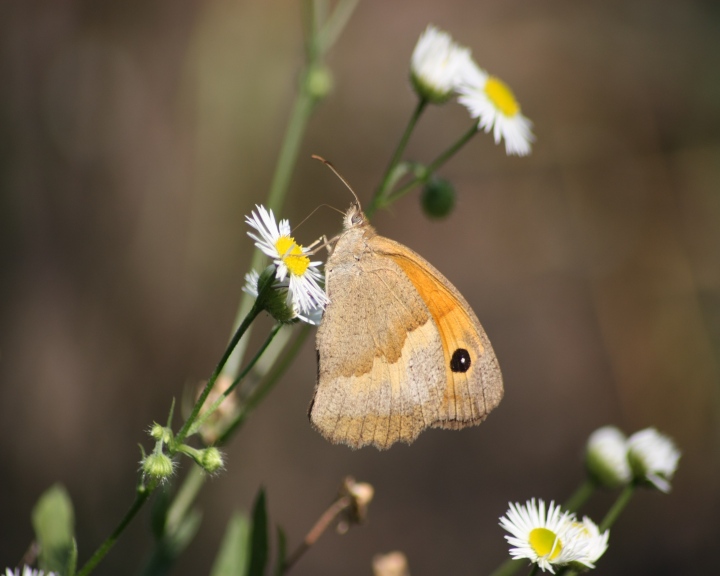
point(438, 198)
point(158, 466)
point(161, 433)
point(319, 82)
point(653, 458)
point(437, 65)
point(211, 460)
point(606, 457)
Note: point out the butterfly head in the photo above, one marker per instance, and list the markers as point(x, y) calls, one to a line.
point(354, 217)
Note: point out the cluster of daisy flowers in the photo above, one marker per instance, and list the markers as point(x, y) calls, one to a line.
point(441, 68)
point(647, 457)
point(297, 278)
point(552, 537)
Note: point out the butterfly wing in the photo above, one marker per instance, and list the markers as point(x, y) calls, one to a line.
point(473, 381)
point(386, 346)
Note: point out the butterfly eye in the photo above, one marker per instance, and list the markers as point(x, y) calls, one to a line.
point(460, 361)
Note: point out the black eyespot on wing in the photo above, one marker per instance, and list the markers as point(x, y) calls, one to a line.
point(460, 361)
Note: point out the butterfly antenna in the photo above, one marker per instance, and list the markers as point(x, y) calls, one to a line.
point(308, 217)
point(329, 165)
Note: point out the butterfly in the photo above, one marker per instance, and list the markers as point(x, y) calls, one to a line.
point(399, 349)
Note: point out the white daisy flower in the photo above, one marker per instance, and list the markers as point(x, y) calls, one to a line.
point(293, 266)
point(606, 457)
point(436, 66)
point(26, 571)
point(595, 544)
point(653, 457)
point(491, 101)
point(549, 540)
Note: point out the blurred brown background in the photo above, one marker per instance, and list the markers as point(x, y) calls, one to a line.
point(135, 136)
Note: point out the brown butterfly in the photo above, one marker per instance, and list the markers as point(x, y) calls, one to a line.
point(399, 349)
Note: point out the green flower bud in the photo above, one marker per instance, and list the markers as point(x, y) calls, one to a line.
point(161, 433)
point(211, 460)
point(319, 82)
point(158, 466)
point(438, 198)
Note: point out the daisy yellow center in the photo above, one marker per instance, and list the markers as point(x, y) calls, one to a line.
point(501, 96)
point(292, 255)
point(545, 543)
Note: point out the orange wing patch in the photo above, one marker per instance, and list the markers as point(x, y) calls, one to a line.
point(460, 340)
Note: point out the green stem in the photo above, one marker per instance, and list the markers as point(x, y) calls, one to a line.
point(336, 24)
point(380, 193)
point(319, 41)
point(141, 496)
point(266, 385)
point(205, 415)
point(254, 311)
point(580, 496)
point(433, 166)
point(184, 498)
point(276, 197)
point(618, 507)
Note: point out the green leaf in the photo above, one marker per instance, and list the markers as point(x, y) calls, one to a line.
point(281, 551)
point(53, 520)
point(232, 559)
point(258, 537)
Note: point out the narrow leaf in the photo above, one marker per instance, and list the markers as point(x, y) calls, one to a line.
point(258, 537)
point(232, 559)
point(281, 552)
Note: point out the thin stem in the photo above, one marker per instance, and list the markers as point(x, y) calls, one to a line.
point(434, 165)
point(205, 415)
point(327, 518)
point(336, 24)
point(264, 387)
point(254, 311)
point(380, 193)
point(580, 496)
point(141, 497)
point(184, 498)
point(303, 106)
point(618, 507)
